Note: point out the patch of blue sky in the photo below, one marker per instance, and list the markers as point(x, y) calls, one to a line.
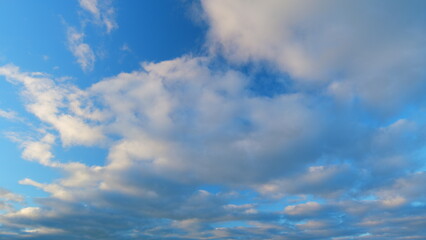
point(418, 204)
point(272, 206)
point(142, 25)
point(243, 196)
point(231, 224)
point(368, 198)
point(265, 83)
point(375, 118)
point(263, 79)
point(233, 196)
point(38, 30)
point(90, 156)
point(140, 37)
point(211, 188)
point(417, 157)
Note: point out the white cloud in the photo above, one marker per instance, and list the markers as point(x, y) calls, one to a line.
point(373, 53)
point(177, 111)
point(56, 190)
point(394, 201)
point(309, 208)
point(9, 196)
point(91, 6)
point(43, 230)
point(11, 115)
point(81, 50)
point(45, 99)
point(101, 11)
point(8, 199)
point(30, 212)
point(176, 124)
point(39, 151)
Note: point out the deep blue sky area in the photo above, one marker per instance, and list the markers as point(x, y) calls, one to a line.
point(212, 119)
point(40, 32)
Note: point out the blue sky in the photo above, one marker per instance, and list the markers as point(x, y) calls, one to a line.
point(212, 119)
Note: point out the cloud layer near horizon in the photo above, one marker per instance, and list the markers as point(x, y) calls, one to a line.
point(335, 155)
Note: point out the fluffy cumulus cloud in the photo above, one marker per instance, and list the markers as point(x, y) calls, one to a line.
point(194, 152)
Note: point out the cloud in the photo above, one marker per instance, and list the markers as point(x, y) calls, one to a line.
point(39, 151)
point(172, 127)
point(373, 54)
point(193, 152)
point(8, 199)
point(81, 50)
point(9, 202)
point(326, 181)
point(11, 115)
point(150, 161)
point(44, 99)
point(176, 111)
point(304, 208)
point(101, 11)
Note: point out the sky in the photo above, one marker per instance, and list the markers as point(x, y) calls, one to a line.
point(212, 119)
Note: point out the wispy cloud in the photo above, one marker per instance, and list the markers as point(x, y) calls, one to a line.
point(11, 115)
point(45, 99)
point(102, 12)
point(8, 199)
point(81, 50)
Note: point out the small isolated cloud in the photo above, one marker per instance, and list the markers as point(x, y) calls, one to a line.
point(310, 208)
point(81, 50)
point(102, 12)
point(125, 48)
point(11, 115)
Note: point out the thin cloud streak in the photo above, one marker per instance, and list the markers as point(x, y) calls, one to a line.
point(81, 50)
point(102, 13)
